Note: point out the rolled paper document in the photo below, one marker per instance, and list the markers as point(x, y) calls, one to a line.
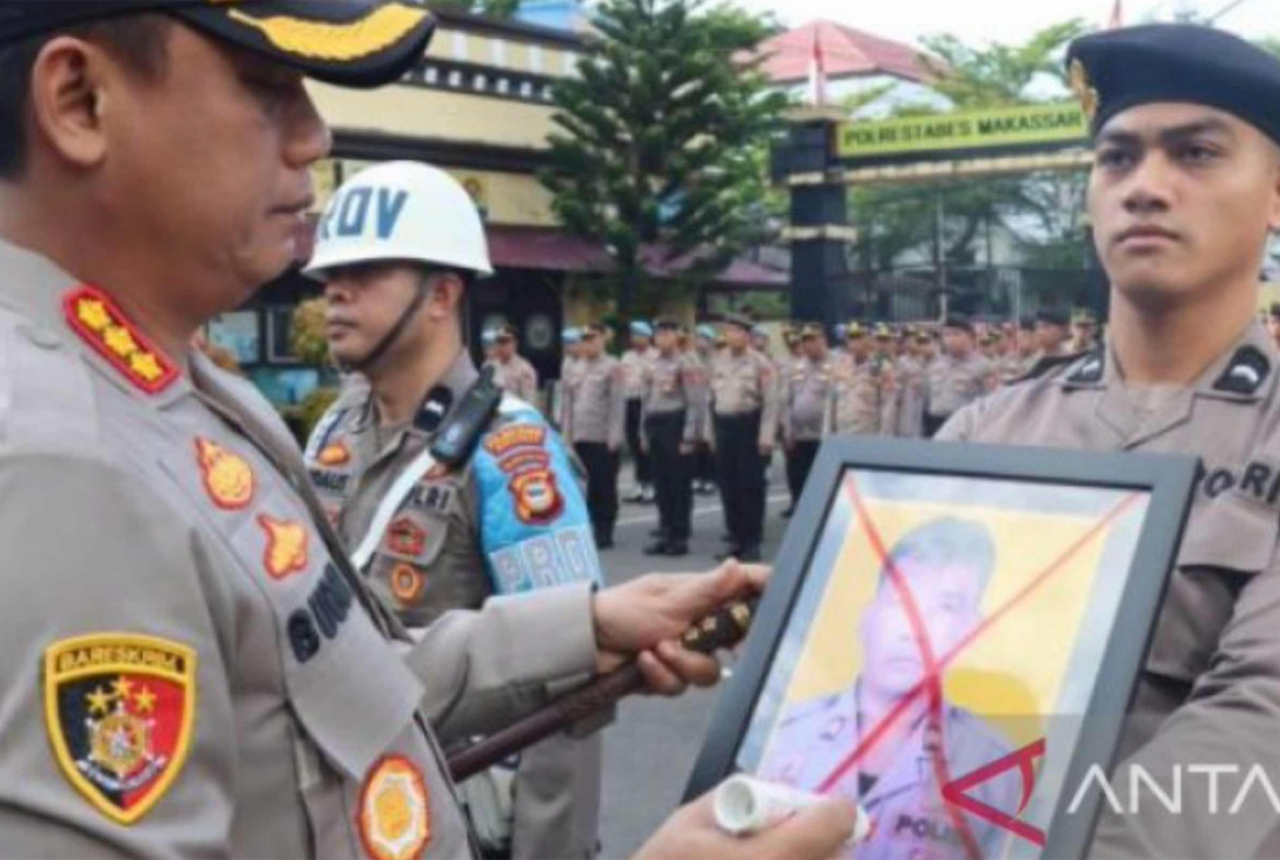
point(746, 805)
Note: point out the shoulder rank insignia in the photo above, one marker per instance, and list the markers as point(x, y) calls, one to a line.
point(100, 323)
point(394, 816)
point(228, 477)
point(119, 709)
point(286, 550)
point(1249, 368)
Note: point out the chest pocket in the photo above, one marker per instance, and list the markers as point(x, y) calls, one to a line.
point(1228, 541)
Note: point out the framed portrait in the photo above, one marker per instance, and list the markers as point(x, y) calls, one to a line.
point(951, 638)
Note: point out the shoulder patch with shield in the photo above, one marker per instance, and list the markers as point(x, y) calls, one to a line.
point(120, 709)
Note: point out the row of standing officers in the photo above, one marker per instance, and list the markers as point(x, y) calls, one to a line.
point(712, 409)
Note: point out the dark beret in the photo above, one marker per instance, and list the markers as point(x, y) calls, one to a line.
point(1115, 70)
point(1052, 316)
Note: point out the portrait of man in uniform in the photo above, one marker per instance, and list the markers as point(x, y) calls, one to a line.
point(882, 743)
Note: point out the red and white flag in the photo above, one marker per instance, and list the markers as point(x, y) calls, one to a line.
point(817, 75)
point(1117, 16)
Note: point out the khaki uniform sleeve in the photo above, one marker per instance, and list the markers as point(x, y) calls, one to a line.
point(1229, 723)
point(529, 384)
point(89, 551)
point(483, 670)
point(768, 376)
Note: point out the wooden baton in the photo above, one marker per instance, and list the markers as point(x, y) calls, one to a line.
point(724, 629)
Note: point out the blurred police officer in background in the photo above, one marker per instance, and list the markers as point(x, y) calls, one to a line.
point(959, 376)
point(744, 399)
point(595, 417)
point(674, 399)
point(634, 364)
point(512, 371)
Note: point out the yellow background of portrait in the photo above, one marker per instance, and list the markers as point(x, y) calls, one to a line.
point(1013, 672)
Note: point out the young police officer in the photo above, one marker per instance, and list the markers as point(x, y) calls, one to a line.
point(192, 667)
point(1184, 190)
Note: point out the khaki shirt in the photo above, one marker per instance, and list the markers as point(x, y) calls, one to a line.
point(1210, 693)
point(912, 378)
point(865, 397)
point(595, 407)
point(807, 390)
point(219, 682)
point(461, 536)
point(909, 817)
point(957, 383)
point(673, 383)
point(746, 383)
point(516, 377)
point(633, 370)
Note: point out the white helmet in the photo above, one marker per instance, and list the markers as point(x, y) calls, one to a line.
point(401, 210)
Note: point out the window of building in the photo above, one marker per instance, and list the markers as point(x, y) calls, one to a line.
point(460, 46)
point(535, 58)
point(498, 52)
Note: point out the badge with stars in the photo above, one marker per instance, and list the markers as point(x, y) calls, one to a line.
point(103, 325)
point(119, 709)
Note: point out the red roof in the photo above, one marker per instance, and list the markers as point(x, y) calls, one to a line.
point(846, 52)
point(549, 249)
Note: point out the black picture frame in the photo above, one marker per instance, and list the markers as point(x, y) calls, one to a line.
point(1169, 481)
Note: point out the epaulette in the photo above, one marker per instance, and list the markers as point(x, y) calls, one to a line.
point(1050, 362)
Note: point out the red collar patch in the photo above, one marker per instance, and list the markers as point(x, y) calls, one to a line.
point(100, 323)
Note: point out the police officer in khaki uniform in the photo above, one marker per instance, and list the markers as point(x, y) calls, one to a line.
point(596, 416)
point(1084, 332)
point(807, 389)
point(1184, 189)
point(674, 400)
point(1052, 334)
point(192, 667)
point(744, 400)
point(634, 362)
point(865, 391)
point(513, 373)
point(506, 516)
point(958, 377)
point(911, 373)
point(946, 564)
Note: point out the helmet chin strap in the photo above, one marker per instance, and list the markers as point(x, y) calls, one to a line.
point(393, 334)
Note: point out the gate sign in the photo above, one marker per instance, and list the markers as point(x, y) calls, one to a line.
point(994, 128)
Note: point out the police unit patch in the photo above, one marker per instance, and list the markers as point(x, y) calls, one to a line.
point(286, 550)
point(119, 709)
point(405, 537)
point(100, 323)
point(394, 815)
point(407, 583)
point(538, 499)
point(228, 477)
point(335, 454)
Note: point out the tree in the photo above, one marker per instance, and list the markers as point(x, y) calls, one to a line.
point(662, 137)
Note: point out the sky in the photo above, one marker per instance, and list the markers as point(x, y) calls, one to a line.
point(1009, 21)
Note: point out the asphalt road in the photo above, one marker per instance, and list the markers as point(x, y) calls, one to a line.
point(650, 750)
